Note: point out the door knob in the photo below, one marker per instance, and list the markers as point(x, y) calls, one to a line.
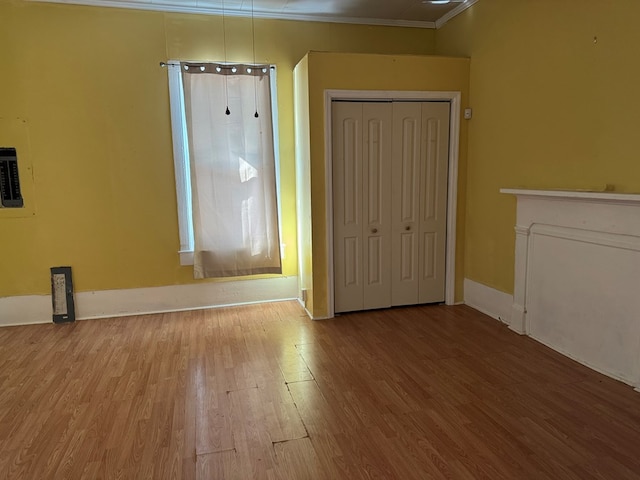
point(407, 228)
point(374, 230)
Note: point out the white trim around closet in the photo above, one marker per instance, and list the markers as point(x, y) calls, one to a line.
point(454, 99)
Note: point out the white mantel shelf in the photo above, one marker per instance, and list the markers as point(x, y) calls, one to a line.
point(583, 195)
point(577, 267)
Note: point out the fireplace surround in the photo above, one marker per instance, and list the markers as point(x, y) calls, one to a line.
point(577, 276)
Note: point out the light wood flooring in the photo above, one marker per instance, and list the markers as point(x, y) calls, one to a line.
point(261, 391)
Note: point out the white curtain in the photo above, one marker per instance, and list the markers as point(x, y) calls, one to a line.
point(233, 185)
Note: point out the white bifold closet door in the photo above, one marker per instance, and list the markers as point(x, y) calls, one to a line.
point(362, 134)
point(390, 164)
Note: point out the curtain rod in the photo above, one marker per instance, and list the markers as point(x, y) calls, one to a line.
point(166, 64)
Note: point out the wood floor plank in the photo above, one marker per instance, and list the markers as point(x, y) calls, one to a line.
point(262, 392)
point(298, 459)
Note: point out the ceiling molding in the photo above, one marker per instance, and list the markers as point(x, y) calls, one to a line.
point(459, 9)
point(162, 7)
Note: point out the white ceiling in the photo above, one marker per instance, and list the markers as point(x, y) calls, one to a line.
point(411, 13)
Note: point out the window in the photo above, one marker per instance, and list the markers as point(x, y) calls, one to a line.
point(223, 122)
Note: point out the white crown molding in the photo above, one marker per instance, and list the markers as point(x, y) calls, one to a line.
point(459, 9)
point(171, 8)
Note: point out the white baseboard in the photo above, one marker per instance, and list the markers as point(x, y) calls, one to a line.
point(302, 304)
point(488, 300)
point(34, 309)
point(25, 309)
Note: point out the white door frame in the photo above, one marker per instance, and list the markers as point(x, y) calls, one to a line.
point(452, 194)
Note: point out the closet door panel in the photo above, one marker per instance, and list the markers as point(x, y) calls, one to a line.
point(405, 180)
point(433, 201)
point(376, 205)
point(347, 212)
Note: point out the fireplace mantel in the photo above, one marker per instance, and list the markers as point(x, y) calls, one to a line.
point(577, 271)
point(579, 195)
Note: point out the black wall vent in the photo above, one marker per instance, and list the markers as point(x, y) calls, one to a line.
point(62, 295)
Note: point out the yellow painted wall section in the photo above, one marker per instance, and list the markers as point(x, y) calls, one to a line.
point(85, 82)
point(303, 179)
point(374, 72)
point(554, 89)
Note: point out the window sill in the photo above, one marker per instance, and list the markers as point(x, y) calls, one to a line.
point(186, 257)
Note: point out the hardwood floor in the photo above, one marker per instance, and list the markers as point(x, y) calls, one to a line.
point(250, 392)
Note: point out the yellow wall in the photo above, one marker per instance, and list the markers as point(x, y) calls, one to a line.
point(373, 72)
point(552, 109)
point(303, 179)
point(95, 101)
